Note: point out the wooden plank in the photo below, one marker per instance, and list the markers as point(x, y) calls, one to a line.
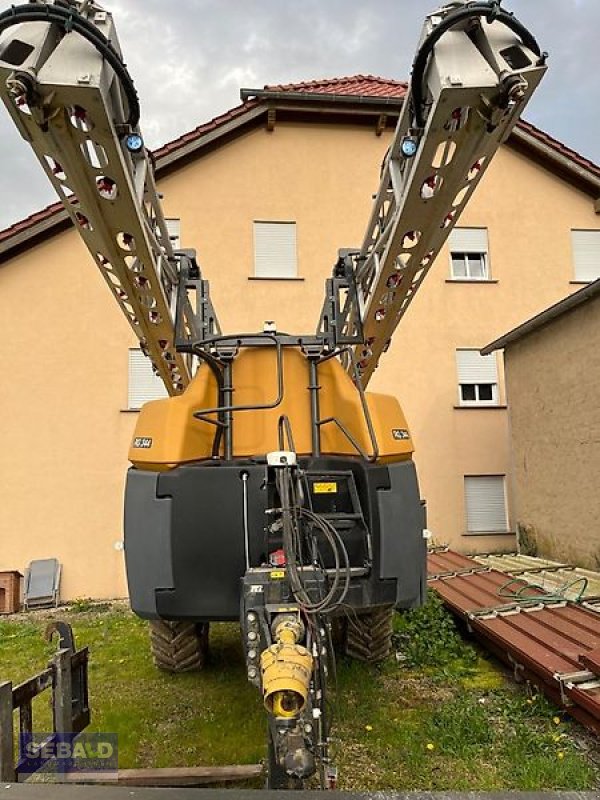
point(29, 689)
point(7, 764)
point(80, 657)
point(62, 695)
point(26, 718)
point(188, 776)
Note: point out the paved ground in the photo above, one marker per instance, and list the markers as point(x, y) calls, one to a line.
point(49, 792)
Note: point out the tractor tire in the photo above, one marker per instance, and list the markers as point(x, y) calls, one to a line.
point(368, 634)
point(178, 646)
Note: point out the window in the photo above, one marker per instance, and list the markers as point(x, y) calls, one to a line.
point(174, 230)
point(477, 378)
point(469, 254)
point(485, 504)
point(144, 385)
point(275, 250)
point(586, 254)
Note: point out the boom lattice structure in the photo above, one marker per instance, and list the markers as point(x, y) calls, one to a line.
point(64, 83)
point(474, 72)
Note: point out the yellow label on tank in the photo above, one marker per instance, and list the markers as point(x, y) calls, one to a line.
point(325, 488)
point(278, 574)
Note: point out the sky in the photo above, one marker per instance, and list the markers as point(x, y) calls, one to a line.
point(189, 60)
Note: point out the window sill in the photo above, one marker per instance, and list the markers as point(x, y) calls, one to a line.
point(480, 407)
point(583, 283)
point(489, 533)
point(274, 278)
point(471, 280)
point(130, 410)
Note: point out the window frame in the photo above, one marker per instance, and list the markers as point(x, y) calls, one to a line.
point(477, 403)
point(496, 531)
point(485, 278)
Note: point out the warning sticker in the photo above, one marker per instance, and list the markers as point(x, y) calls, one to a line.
point(278, 574)
point(329, 487)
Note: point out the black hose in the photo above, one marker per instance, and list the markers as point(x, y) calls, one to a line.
point(284, 426)
point(69, 20)
point(490, 10)
point(290, 518)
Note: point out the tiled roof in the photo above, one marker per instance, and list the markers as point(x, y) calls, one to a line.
point(365, 85)
point(205, 128)
point(28, 222)
point(354, 85)
point(559, 147)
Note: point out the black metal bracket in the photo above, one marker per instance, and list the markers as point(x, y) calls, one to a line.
point(193, 323)
point(340, 322)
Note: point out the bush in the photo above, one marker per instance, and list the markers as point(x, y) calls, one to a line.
point(427, 636)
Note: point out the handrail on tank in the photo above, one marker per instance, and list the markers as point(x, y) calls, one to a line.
point(365, 408)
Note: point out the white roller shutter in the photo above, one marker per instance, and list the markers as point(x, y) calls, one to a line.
point(485, 503)
point(469, 240)
point(174, 231)
point(144, 385)
point(472, 367)
point(586, 254)
point(275, 250)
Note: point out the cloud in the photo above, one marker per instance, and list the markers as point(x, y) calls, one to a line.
point(189, 59)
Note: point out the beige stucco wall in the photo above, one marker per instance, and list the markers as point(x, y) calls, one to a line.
point(553, 384)
point(65, 345)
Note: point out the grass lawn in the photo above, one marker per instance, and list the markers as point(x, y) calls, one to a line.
point(441, 716)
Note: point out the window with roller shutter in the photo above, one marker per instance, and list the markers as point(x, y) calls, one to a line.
point(144, 385)
point(586, 255)
point(275, 253)
point(477, 378)
point(174, 231)
point(485, 504)
point(469, 254)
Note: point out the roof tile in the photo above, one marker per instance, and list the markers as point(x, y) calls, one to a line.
point(557, 145)
point(32, 219)
point(369, 85)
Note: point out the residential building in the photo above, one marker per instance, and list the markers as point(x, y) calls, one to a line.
point(267, 193)
point(552, 365)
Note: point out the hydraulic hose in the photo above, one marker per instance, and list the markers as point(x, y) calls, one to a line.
point(492, 12)
point(70, 20)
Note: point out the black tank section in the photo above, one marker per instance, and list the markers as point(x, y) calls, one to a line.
point(191, 533)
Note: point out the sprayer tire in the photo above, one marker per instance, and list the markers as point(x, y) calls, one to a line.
point(178, 646)
point(368, 634)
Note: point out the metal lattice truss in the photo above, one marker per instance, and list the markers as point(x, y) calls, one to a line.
point(68, 103)
point(473, 98)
